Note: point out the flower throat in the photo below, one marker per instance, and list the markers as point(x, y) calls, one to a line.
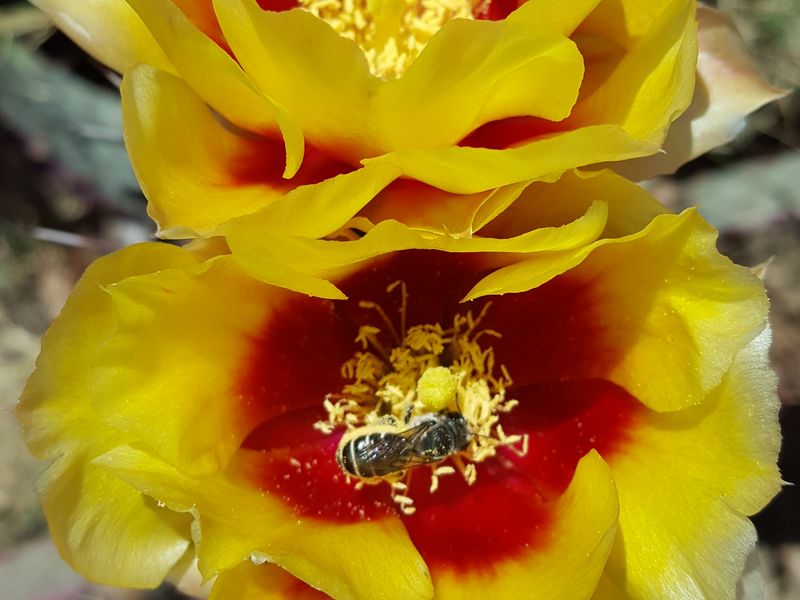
point(429, 373)
point(392, 33)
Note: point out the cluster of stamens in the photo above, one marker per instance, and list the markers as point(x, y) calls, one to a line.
point(429, 370)
point(391, 33)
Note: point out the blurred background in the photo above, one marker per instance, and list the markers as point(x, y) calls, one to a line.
point(68, 195)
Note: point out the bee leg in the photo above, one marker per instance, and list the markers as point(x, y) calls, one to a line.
point(407, 416)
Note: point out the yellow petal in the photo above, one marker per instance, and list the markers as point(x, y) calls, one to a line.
point(108, 30)
point(321, 258)
point(366, 559)
point(106, 530)
point(625, 21)
point(688, 307)
point(187, 161)
point(554, 15)
point(654, 81)
point(572, 562)
point(473, 72)
point(729, 87)
point(630, 207)
point(325, 207)
point(680, 310)
point(215, 76)
point(469, 170)
point(683, 526)
point(327, 84)
point(168, 393)
point(101, 526)
point(248, 581)
point(54, 408)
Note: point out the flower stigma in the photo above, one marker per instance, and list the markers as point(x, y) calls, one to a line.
point(392, 33)
point(431, 375)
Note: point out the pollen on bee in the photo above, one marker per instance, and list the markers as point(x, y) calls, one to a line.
point(432, 371)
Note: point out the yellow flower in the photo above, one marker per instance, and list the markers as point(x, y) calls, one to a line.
point(609, 369)
point(430, 106)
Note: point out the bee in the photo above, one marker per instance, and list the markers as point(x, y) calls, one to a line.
point(386, 449)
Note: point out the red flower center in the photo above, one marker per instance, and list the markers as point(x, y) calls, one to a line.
point(553, 345)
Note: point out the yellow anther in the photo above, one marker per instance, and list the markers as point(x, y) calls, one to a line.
point(437, 387)
point(392, 33)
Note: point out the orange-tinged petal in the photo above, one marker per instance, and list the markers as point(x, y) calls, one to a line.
point(209, 306)
point(201, 13)
point(108, 30)
point(465, 170)
point(235, 520)
point(654, 81)
point(683, 526)
point(430, 209)
point(215, 76)
point(680, 309)
point(729, 87)
point(248, 581)
point(571, 563)
point(100, 525)
point(193, 169)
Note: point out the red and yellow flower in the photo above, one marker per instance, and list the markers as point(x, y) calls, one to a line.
point(184, 396)
point(232, 105)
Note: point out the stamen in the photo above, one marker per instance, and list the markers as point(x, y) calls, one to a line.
point(391, 33)
point(377, 307)
point(437, 472)
point(403, 302)
point(431, 371)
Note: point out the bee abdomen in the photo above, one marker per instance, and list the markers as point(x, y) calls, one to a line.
point(370, 455)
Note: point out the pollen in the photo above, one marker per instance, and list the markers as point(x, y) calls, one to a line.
point(437, 387)
point(392, 33)
point(401, 376)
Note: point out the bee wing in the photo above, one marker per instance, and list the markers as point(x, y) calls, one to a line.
point(396, 452)
point(413, 434)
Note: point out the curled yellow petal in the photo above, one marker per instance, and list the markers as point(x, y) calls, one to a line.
point(216, 77)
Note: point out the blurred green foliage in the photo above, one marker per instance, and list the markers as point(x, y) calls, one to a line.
point(66, 119)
